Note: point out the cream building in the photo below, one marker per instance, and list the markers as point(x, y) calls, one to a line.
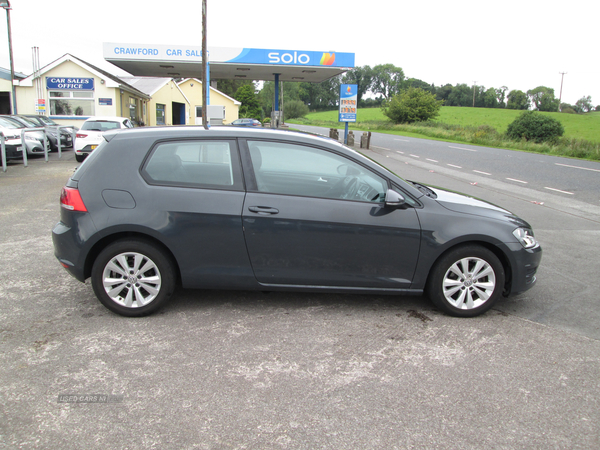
point(168, 105)
point(6, 90)
point(71, 90)
point(192, 88)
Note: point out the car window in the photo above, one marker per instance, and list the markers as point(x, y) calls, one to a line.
point(100, 125)
point(198, 163)
point(8, 124)
point(293, 169)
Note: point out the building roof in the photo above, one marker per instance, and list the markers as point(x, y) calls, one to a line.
point(111, 80)
point(5, 74)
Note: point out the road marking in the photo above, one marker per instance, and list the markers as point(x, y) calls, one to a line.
point(414, 156)
point(518, 181)
point(432, 160)
point(479, 171)
point(402, 153)
point(558, 190)
point(403, 140)
point(452, 165)
point(461, 148)
point(382, 148)
point(577, 167)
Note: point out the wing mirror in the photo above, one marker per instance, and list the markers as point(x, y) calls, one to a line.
point(393, 199)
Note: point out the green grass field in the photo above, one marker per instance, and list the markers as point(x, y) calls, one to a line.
point(577, 126)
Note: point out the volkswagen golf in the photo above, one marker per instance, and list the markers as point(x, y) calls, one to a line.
point(270, 210)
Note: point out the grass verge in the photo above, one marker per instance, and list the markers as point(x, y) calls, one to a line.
point(479, 133)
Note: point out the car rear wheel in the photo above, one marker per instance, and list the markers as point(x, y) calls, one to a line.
point(79, 158)
point(133, 277)
point(467, 281)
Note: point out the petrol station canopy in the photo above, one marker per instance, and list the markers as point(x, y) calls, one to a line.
point(182, 61)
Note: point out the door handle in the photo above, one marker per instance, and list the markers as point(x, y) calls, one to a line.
point(265, 210)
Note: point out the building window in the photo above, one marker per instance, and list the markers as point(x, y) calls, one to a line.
point(71, 103)
point(160, 114)
point(132, 108)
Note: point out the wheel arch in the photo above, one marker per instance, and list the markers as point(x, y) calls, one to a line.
point(116, 236)
point(495, 249)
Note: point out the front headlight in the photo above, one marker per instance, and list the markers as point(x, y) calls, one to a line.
point(29, 137)
point(525, 237)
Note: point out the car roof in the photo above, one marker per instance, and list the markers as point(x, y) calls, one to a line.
point(106, 118)
point(224, 131)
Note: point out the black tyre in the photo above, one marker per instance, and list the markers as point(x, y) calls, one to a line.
point(466, 282)
point(133, 277)
point(79, 158)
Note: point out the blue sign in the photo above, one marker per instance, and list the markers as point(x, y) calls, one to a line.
point(105, 101)
point(294, 58)
point(70, 84)
point(348, 102)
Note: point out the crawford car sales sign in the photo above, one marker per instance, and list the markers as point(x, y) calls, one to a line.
point(70, 84)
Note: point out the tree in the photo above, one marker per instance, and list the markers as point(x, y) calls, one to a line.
point(294, 109)
point(543, 98)
point(461, 95)
point(321, 96)
point(536, 127)
point(387, 80)
point(362, 76)
point(412, 105)
point(490, 98)
point(290, 90)
point(250, 105)
point(517, 100)
point(416, 83)
point(584, 104)
point(443, 92)
point(501, 95)
point(230, 87)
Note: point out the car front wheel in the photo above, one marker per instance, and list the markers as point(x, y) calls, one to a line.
point(133, 277)
point(467, 281)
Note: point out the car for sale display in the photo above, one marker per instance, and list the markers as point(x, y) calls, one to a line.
point(270, 210)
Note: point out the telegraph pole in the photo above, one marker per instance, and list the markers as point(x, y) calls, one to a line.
point(474, 84)
point(6, 5)
point(204, 58)
point(561, 83)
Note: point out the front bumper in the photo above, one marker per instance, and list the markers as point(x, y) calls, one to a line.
point(524, 265)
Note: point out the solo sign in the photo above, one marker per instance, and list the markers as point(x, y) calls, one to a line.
point(70, 84)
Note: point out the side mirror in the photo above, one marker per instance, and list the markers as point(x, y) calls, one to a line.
point(393, 199)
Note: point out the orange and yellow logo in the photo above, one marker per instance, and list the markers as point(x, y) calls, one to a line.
point(327, 59)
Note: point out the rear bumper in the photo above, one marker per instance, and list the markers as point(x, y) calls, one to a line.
point(86, 150)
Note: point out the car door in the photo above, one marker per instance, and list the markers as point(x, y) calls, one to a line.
point(317, 218)
point(197, 190)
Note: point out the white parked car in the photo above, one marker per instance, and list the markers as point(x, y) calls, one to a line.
point(12, 141)
point(89, 135)
point(34, 140)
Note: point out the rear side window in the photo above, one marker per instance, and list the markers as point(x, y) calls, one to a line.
point(100, 125)
point(195, 163)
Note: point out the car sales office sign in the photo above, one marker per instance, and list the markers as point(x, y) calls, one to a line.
point(348, 102)
point(70, 84)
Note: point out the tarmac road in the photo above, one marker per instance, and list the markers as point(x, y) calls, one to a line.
point(247, 370)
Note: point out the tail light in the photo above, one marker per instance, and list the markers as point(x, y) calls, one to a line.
point(80, 135)
point(71, 199)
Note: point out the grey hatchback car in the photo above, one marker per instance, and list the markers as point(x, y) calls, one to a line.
point(253, 209)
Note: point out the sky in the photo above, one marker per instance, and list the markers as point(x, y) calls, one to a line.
point(520, 44)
